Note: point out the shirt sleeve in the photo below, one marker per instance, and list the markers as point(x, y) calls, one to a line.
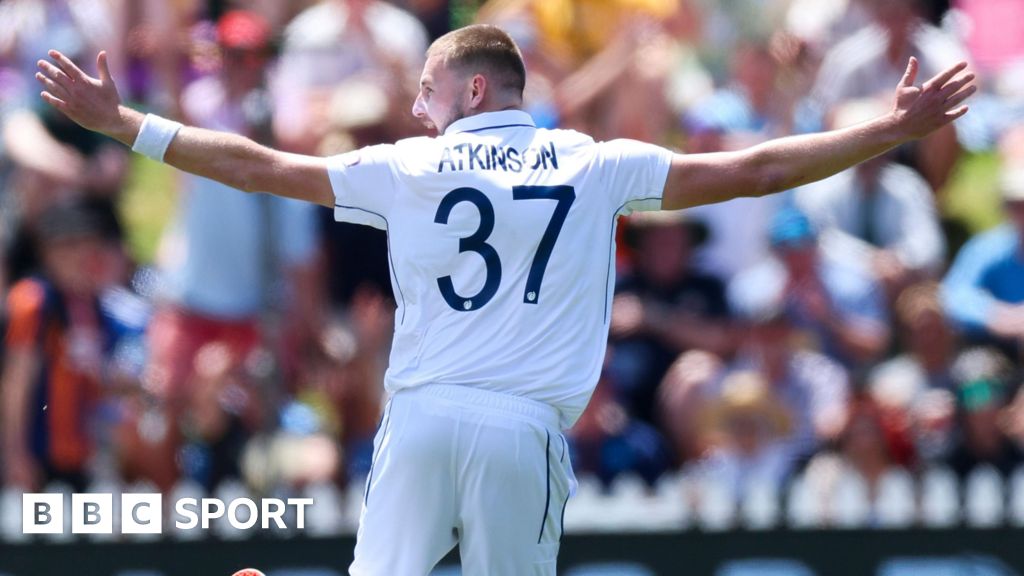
point(365, 185)
point(964, 296)
point(635, 173)
point(24, 305)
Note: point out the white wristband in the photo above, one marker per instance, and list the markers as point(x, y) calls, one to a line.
point(155, 136)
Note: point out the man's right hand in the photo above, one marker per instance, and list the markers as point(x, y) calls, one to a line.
point(91, 102)
point(920, 110)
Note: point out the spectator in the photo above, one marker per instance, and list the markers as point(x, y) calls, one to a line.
point(603, 64)
point(821, 25)
point(983, 377)
point(884, 213)
point(223, 410)
point(872, 446)
point(31, 27)
point(55, 355)
point(341, 59)
point(662, 308)
point(345, 378)
point(607, 441)
point(929, 343)
point(547, 69)
point(684, 394)
point(1012, 419)
point(225, 252)
point(752, 108)
point(919, 383)
point(748, 424)
point(868, 63)
point(837, 305)
point(871, 60)
point(983, 293)
point(813, 387)
point(334, 41)
point(55, 161)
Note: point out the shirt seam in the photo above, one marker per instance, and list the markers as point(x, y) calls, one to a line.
point(611, 245)
point(391, 261)
point(473, 130)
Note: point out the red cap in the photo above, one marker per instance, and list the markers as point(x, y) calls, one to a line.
point(243, 30)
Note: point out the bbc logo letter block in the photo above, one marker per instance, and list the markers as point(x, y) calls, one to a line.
point(91, 514)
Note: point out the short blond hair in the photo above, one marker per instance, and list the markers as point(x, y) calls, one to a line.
point(483, 48)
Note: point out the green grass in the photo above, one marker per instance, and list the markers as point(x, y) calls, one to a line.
point(147, 205)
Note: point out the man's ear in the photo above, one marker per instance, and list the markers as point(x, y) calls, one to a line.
point(478, 88)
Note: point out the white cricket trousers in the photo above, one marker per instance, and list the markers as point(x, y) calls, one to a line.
point(452, 464)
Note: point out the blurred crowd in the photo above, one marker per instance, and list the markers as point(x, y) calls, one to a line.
point(849, 328)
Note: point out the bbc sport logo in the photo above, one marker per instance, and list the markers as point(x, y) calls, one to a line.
point(93, 513)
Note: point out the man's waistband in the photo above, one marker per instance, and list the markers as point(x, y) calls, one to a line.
point(489, 400)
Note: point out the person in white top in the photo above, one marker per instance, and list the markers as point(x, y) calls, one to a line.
point(501, 239)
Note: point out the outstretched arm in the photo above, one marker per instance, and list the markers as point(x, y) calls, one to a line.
point(793, 161)
point(229, 158)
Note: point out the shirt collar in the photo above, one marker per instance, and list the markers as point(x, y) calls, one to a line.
point(487, 120)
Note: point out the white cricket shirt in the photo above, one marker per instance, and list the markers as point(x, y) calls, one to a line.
point(501, 242)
